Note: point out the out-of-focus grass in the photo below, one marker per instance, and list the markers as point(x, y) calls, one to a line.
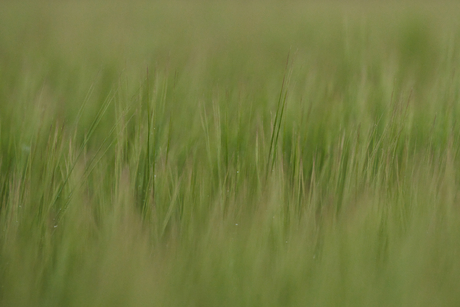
point(229, 154)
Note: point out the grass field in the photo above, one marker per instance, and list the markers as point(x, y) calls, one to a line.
point(228, 153)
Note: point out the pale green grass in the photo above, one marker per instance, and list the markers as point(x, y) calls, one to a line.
point(229, 154)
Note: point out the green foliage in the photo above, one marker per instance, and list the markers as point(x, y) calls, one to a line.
point(223, 154)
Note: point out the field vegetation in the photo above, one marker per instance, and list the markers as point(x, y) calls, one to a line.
point(226, 153)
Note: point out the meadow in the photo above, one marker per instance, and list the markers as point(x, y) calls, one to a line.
point(227, 153)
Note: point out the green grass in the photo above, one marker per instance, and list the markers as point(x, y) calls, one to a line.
point(229, 154)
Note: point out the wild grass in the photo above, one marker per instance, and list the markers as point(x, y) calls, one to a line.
point(229, 154)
